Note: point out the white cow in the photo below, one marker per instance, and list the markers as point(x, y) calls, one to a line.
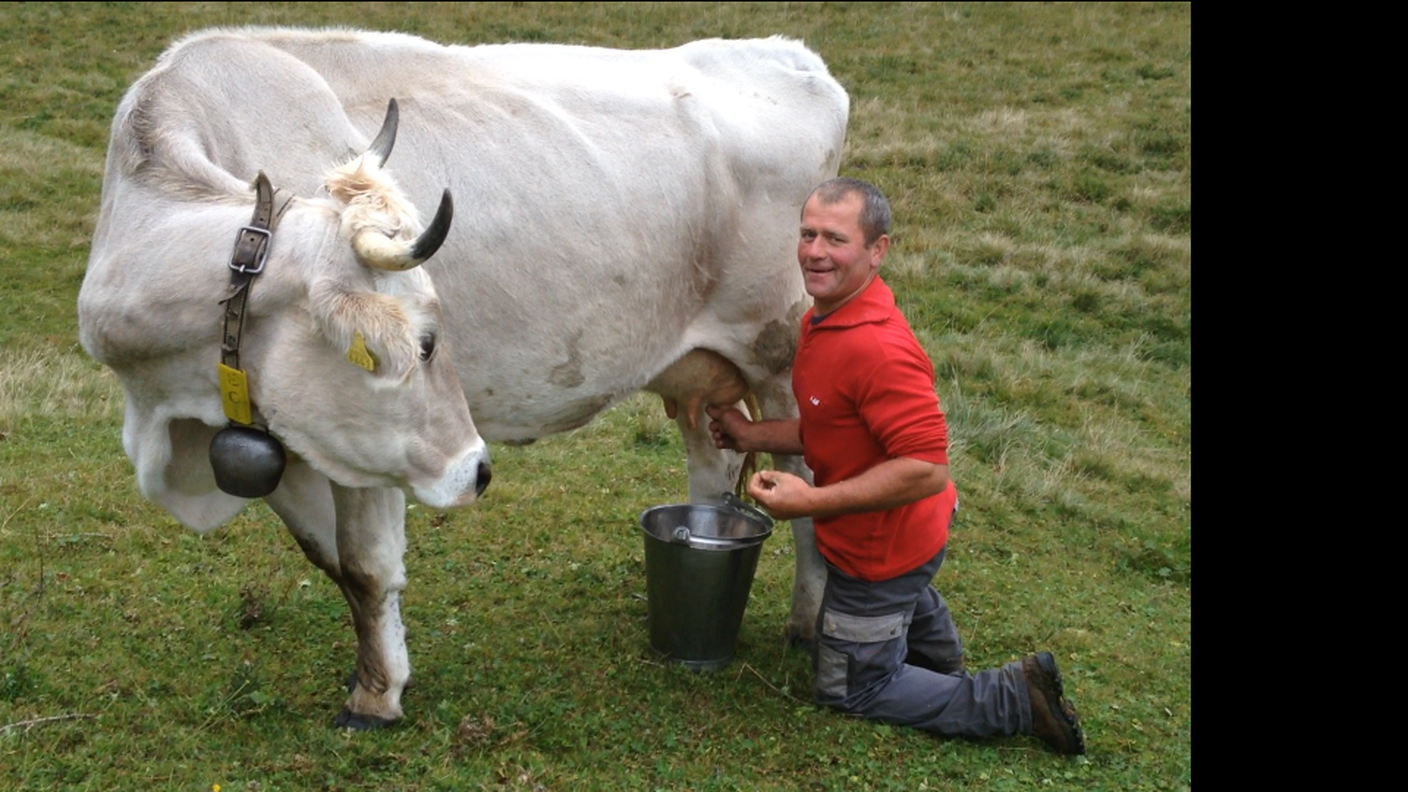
point(627, 221)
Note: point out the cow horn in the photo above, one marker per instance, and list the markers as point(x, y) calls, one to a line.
point(433, 236)
point(378, 252)
point(386, 138)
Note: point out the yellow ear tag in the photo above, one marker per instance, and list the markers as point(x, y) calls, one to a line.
point(234, 393)
point(359, 354)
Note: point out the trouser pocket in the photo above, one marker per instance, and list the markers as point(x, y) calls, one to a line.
point(855, 654)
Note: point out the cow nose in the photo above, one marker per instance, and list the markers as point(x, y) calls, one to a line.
point(483, 480)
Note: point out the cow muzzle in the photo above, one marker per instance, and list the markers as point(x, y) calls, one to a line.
point(463, 481)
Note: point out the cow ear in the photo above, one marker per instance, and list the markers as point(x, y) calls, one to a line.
point(371, 330)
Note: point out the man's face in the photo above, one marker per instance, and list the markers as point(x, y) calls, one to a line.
point(836, 264)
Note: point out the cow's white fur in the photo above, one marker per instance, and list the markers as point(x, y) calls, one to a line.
point(625, 220)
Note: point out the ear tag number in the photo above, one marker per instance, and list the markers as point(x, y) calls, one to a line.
point(234, 393)
point(359, 354)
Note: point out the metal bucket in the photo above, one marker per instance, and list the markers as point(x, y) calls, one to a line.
point(699, 565)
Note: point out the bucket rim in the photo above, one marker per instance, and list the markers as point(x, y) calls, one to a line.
point(712, 543)
point(763, 524)
point(751, 513)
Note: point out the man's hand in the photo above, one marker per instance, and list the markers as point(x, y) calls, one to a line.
point(733, 430)
point(726, 425)
point(783, 495)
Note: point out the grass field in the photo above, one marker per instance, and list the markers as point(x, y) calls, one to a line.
point(1039, 160)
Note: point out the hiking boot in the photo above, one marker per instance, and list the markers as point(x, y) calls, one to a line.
point(1054, 718)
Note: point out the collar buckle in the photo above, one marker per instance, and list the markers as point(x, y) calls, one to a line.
point(251, 250)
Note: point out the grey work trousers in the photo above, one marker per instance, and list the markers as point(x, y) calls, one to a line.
point(865, 631)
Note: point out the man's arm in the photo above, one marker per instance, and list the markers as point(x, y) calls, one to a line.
point(892, 483)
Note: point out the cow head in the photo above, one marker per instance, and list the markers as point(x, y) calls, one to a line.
point(340, 344)
point(356, 382)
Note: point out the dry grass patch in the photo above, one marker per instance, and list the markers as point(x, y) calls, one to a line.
point(39, 384)
point(1001, 120)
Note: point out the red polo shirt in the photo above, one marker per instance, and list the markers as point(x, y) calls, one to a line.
point(865, 390)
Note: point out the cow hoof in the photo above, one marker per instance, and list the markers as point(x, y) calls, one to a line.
point(347, 719)
point(796, 639)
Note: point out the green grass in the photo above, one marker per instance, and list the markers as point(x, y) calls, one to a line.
point(1038, 157)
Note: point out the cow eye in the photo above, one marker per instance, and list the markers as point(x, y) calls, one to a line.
point(427, 346)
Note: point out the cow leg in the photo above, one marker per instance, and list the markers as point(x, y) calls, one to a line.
point(712, 471)
point(357, 537)
point(776, 402)
point(809, 577)
point(303, 501)
point(371, 548)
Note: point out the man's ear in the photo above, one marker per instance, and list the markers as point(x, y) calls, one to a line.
point(878, 250)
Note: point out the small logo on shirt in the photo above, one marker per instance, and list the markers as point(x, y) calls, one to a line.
point(815, 401)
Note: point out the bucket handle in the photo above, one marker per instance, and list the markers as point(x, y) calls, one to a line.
point(736, 503)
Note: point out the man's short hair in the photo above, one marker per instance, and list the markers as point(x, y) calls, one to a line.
point(875, 209)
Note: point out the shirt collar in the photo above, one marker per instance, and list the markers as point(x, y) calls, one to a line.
point(873, 304)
